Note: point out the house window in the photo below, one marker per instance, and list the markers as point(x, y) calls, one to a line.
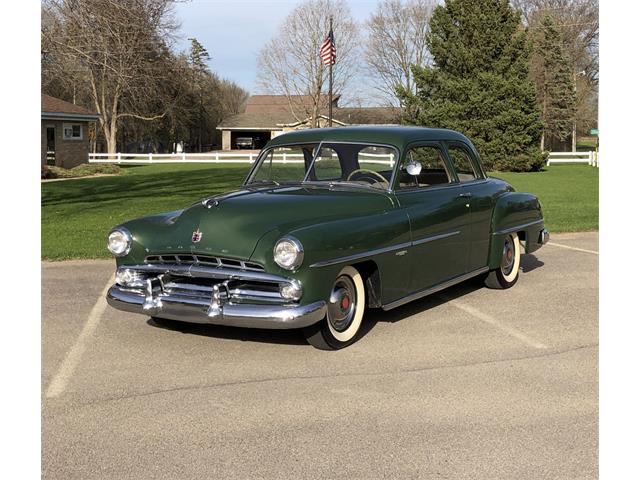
point(72, 131)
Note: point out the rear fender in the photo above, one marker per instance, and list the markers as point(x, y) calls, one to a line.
point(515, 212)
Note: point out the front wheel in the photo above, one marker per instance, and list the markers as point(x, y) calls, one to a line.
point(345, 310)
point(507, 274)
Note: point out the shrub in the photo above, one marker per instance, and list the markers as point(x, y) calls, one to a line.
point(533, 162)
point(46, 173)
point(84, 170)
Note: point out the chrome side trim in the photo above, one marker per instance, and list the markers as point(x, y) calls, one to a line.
point(358, 256)
point(434, 237)
point(518, 227)
point(434, 289)
point(378, 251)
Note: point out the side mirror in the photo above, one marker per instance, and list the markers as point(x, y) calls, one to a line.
point(414, 168)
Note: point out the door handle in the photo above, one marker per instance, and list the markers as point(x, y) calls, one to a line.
point(465, 195)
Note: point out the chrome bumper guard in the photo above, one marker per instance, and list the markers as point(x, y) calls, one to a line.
point(165, 292)
point(544, 236)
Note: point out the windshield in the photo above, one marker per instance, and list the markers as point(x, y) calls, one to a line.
point(326, 162)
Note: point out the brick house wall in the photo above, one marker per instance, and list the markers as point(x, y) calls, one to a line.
point(68, 152)
point(72, 150)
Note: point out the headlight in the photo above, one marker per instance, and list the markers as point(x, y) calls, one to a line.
point(288, 253)
point(119, 242)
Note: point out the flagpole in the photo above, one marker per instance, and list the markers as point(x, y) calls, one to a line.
point(331, 81)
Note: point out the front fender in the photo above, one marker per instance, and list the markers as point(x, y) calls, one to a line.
point(330, 246)
point(515, 212)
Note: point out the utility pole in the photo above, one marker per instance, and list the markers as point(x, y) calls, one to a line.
point(575, 90)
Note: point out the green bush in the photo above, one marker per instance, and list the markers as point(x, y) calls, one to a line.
point(532, 162)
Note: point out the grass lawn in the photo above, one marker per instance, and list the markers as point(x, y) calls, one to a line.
point(77, 214)
point(568, 193)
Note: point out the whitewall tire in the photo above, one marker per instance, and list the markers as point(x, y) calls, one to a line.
point(507, 274)
point(345, 310)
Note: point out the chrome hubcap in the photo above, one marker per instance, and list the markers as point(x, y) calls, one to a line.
point(508, 256)
point(342, 304)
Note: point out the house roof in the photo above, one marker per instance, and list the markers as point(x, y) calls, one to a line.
point(54, 108)
point(275, 120)
point(283, 103)
point(369, 115)
point(258, 121)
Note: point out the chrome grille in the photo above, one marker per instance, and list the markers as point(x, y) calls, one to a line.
point(206, 260)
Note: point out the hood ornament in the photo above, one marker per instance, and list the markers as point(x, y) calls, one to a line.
point(196, 236)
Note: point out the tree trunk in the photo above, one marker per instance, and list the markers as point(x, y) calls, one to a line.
point(110, 135)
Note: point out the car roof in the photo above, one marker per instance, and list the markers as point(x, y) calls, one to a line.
point(398, 136)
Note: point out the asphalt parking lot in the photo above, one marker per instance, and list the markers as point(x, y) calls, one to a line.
point(470, 383)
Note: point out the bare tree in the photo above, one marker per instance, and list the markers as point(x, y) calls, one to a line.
point(578, 23)
point(290, 63)
point(397, 39)
point(232, 97)
point(119, 48)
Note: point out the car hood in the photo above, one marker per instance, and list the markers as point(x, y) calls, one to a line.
point(232, 224)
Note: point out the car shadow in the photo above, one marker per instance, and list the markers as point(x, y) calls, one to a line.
point(426, 303)
point(530, 262)
point(287, 337)
point(372, 316)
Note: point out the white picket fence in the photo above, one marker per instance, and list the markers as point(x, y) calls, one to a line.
point(249, 157)
point(156, 158)
point(574, 157)
point(217, 157)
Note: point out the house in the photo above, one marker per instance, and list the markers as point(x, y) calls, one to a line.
point(67, 131)
point(267, 116)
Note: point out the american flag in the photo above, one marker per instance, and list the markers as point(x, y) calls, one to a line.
point(328, 50)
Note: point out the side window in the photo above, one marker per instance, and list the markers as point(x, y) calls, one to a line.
point(283, 164)
point(327, 165)
point(423, 167)
point(462, 162)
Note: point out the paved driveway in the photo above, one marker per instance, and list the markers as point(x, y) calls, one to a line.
point(471, 383)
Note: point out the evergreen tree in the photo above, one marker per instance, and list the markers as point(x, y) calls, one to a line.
point(555, 85)
point(479, 83)
point(198, 55)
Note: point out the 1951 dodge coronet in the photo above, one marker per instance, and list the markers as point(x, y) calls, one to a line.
point(327, 223)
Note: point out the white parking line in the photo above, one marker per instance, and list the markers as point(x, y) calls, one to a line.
point(495, 323)
point(74, 355)
point(572, 248)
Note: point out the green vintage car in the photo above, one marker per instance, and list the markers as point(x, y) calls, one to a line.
point(329, 222)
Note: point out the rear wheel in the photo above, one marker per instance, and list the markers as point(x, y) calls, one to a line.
point(345, 310)
point(507, 274)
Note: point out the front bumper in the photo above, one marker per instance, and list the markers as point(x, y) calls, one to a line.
point(197, 310)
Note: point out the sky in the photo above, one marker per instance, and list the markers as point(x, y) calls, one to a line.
point(234, 31)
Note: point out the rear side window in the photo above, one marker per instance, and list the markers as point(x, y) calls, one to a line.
point(462, 163)
point(432, 171)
